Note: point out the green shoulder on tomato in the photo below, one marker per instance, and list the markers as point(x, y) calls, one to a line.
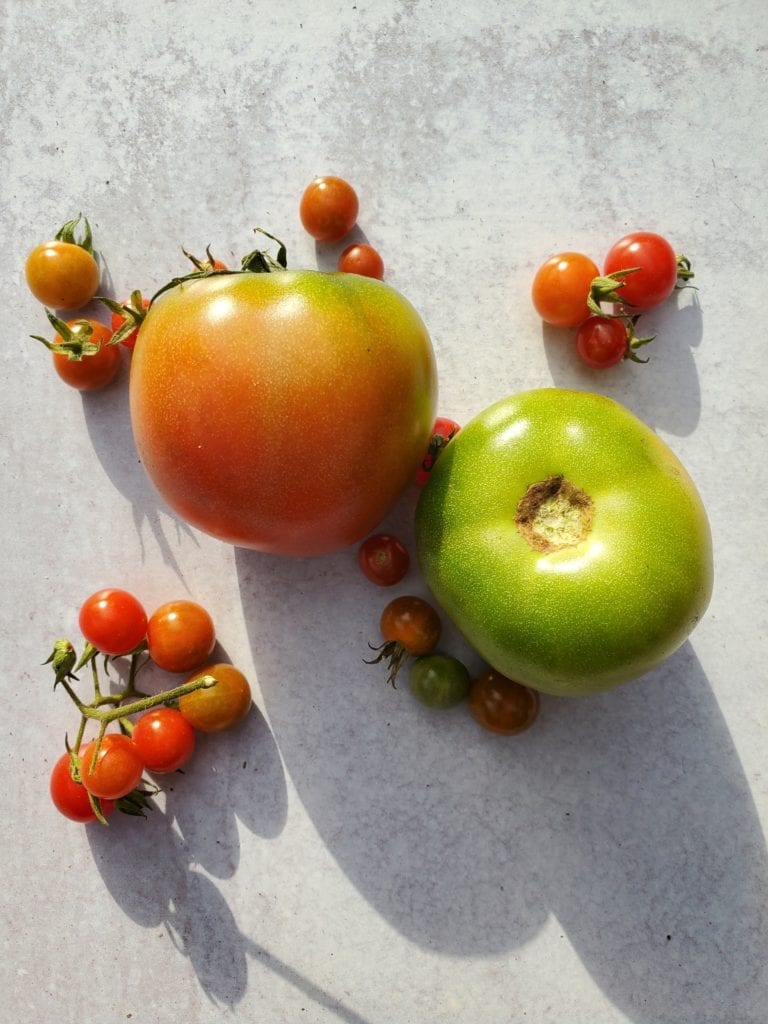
point(566, 541)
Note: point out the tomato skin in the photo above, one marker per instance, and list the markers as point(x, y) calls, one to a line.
point(262, 405)
point(561, 286)
point(113, 620)
point(329, 208)
point(383, 559)
point(180, 636)
point(164, 739)
point(118, 766)
point(62, 275)
point(601, 342)
point(70, 798)
point(501, 705)
point(600, 609)
point(443, 430)
point(92, 372)
point(439, 681)
point(362, 259)
point(218, 707)
point(655, 279)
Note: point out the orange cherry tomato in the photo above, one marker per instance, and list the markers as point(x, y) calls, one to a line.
point(220, 706)
point(362, 259)
point(180, 636)
point(63, 273)
point(561, 288)
point(117, 768)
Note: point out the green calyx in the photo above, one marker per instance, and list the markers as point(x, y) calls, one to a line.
point(75, 344)
point(68, 233)
point(607, 289)
point(633, 341)
point(132, 312)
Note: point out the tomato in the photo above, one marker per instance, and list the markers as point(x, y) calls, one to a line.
point(383, 559)
point(561, 288)
point(117, 769)
point(362, 259)
point(501, 705)
point(654, 264)
point(442, 431)
point(219, 706)
point(566, 541)
point(70, 798)
point(601, 341)
point(439, 681)
point(113, 620)
point(283, 411)
point(81, 353)
point(410, 626)
point(328, 208)
point(63, 273)
point(164, 739)
point(180, 636)
point(133, 311)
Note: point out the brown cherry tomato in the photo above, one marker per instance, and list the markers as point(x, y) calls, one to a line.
point(383, 559)
point(410, 627)
point(180, 636)
point(502, 705)
point(362, 259)
point(217, 707)
point(328, 208)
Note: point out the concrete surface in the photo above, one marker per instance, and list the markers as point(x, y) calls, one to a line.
point(346, 855)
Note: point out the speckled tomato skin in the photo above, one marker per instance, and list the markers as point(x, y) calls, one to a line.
point(285, 412)
point(581, 619)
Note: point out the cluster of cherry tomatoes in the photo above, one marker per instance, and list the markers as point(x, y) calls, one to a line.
point(63, 274)
point(411, 629)
point(640, 271)
point(154, 733)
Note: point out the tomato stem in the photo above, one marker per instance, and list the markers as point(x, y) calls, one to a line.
point(66, 233)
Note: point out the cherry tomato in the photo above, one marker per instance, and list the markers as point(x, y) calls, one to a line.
point(113, 621)
point(164, 739)
point(443, 430)
point(328, 208)
point(410, 626)
point(383, 559)
point(120, 319)
point(502, 705)
point(300, 409)
point(439, 681)
point(561, 288)
point(180, 636)
point(219, 706)
point(601, 342)
point(63, 273)
point(655, 268)
point(362, 259)
point(117, 768)
point(81, 353)
point(70, 798)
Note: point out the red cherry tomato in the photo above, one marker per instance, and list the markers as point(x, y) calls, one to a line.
point(443, 430)
point(70, 798)
point(328, 208)
point(561, 288)
point(502, 705)
point(601, 342)
point(86, 370)
point(180, 636)
point(117, 768)
point(383, 559)
point(654, 264)
point(220, 706)
point(114, 621)
point(362, 259)
point(164, 739)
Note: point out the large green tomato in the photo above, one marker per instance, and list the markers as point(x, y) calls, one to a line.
point(566, 541)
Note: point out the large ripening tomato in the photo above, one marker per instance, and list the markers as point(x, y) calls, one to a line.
point(283, 411)
point(566, 541)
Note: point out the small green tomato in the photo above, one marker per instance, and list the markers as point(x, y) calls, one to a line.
point(439, 681)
